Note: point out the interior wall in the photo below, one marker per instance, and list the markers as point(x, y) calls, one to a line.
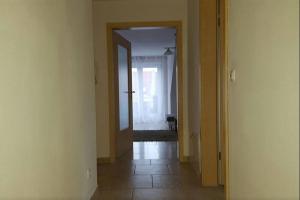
point(194, 82)
point(47, 131)
point(264, 100)
point(128, 11)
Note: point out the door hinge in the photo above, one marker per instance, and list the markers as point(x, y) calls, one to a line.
point(220, 156)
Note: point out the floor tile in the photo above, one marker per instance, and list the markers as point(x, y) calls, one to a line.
point(155, 150)
point(181, 169)
point(205, 193)
point(136, 181)
point(172, 181)
point(130, 162)
point(113, 195)
point(116, 169)
point(163, 161)
point(158, 194)
point(152, 169)
point(142, 162)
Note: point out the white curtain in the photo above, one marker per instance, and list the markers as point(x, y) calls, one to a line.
point(149, 81)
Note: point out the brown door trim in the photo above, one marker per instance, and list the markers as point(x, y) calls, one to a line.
point(224, 94)
point(208, 62)
point(223, 91)
point(209, 66)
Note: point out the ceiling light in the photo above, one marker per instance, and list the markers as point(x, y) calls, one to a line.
point(168, 52)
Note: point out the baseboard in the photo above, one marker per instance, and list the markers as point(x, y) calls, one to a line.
point(94, 196)
point(103, 160)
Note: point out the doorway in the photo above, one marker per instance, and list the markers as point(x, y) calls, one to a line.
point(156, 102)
point(154, 84)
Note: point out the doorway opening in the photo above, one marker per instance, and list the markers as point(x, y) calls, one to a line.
point(146, 99)
point(154, 84)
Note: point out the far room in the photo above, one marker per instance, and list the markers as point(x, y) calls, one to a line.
point(154, 82)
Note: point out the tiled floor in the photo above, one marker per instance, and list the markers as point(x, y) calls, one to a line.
point(152, 172)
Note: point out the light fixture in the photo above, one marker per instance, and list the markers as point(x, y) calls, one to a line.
point(168, 51)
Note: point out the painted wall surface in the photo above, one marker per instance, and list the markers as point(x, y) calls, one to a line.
point(194, 82)
point(128, 11)
point(264, 100)
point(47, 129)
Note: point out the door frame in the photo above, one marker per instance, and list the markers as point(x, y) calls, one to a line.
point(224, 27)
point(210, 66)
point(222, 88)
point(223, 95)
point(110, 27)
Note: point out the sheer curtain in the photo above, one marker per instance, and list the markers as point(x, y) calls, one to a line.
point(150, 98)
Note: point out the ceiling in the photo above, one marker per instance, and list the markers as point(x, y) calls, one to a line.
point(149, 42)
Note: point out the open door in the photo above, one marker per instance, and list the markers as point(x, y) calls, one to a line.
point(123, 92)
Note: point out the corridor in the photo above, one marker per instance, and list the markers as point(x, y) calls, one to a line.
point(152, 172)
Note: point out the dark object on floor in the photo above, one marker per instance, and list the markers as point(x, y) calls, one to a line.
point(172, 122)
point(155, 135)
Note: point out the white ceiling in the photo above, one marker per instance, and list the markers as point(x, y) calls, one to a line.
point(149, 42)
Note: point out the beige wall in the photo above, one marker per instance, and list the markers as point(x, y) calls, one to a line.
point(194, 82)
point(126, 11)
point(264, 100)
point(47, 129)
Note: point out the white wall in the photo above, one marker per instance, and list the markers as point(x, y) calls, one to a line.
point(127, 11)
point(264, 100)
point(194, 82)
point(47, 107)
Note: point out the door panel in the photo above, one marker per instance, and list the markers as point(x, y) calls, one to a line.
point(123, 91)
point(123, 88)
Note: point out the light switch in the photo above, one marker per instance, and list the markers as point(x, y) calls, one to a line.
point(232, 75)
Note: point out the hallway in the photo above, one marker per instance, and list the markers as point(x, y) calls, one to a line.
point(152, 172)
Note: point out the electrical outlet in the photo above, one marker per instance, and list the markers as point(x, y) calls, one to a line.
point(88, 173)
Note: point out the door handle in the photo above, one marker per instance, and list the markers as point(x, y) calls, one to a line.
point(131, 92)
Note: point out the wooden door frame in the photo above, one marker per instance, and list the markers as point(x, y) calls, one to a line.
point(223, 79)
point(224, 75)
point(224, 11)
point(208, 68)
point(110, 27)
point(208, 59)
